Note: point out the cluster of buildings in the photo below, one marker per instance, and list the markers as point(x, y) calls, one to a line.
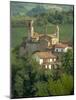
point(44, 48)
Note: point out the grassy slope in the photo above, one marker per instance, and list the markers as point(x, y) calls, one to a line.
point(17, 33)
point(66, 33)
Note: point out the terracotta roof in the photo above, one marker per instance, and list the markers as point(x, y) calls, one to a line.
point(60, 45)
point(45, 55)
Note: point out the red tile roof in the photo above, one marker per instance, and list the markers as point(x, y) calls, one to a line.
point(45, 55)
point(60, 45)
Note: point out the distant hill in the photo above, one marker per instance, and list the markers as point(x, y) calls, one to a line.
point(23, 8)
point(36, 11)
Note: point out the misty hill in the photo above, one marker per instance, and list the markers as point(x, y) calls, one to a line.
point(36, 11)
point(23, 8)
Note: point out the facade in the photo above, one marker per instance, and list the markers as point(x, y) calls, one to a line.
point(54, 40)
point(45, 59)
point(61, 47)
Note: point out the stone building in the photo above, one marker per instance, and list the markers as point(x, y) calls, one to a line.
point(45, 59)
point(43, 46)
point(37, 42)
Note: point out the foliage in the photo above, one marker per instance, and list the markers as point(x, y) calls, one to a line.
point(67, 83)
point(62, 86)
point(32, 9)
point(41, 88)
point(18, 85)
point(56, 73)
point(36, 11)
point(28, 79)
point(55, 87)
point(67, 62)
point(25, 72)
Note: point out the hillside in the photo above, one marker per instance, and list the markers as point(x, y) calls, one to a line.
point(44, 15)
point(22, 8)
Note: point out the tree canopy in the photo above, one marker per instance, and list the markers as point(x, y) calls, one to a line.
point(28, 79)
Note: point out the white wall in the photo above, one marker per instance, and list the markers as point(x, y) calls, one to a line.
point(40, 61)
point(46, 66)
point(54, 59)
point(61, 49)
point(51, 60)
point(65, 50)
point(49, 66)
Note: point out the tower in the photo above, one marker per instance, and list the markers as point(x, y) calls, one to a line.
point(57, 32)
point(30, 29)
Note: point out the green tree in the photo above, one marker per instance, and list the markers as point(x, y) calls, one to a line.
point(56, 73)
point(67, 82)
point(24, 75)
point(62, 86)
point(41, 89)
point(28, 79)
point(19, 86)
point(67, 62)
point(55, 87)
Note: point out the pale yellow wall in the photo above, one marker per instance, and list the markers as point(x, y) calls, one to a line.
point(49, 66)
point(66, 49)
point(48, 44)
point(46, 66)
point(54, 59)
point(40, 61)
point(51, 60)
point(54, 41)
point(32, 31)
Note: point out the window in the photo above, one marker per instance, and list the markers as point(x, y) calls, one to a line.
point(41, 61)
point(56, 49)
point(46, 66)
point(49, 66)
point(50, 60)
point(54, 59)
